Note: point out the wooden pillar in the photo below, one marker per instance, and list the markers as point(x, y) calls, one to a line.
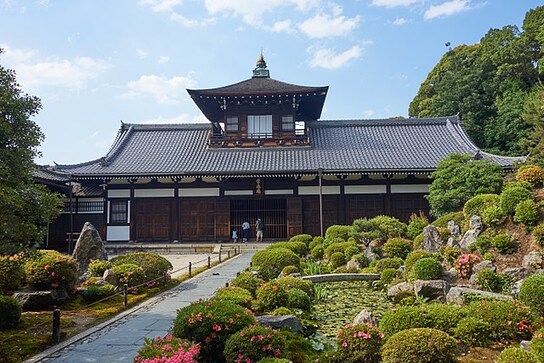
point(176, 236)
point(388, 204)
point(341, 219)
point(132, 212)
point(106, 210)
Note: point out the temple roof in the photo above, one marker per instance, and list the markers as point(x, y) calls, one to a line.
point(338, 147)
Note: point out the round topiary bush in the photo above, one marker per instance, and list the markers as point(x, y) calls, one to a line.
point(271, 295)
point(387, 275)
point(153, 266)
point(537, 344)
point(236, 295)
point(482, 244)
point(270, 262)
point(338, 231)
point(130, 274)
point(390, 226)
point(533, 175)
point(358, 343)
point(411, 259)
point(305, 238)
point(168, 349)
point(397, 247)
point(531, 293)
point(288, 270)
point(298, 299)
point(318, 252)
point(351, 251)
point(289, 282)
point(476, 205)
point(493, 215)
point(538, 233)
point(504, 243)
point(12, 273)
point(282, 311)
point(97, 267)
point(95, 292)
point(210, 323)
point(10, 312)
point(337, 247)
point(489, 280)
point(473, 332)
point(420, 345)
point(516, 355)
point(248, 281)
point(337, 259)
point(300, 248)
point(387, 262)
point(49, 269)
point(527, 213)
point(315, 242)
point(254, 343)
point(427, 268)
point(510, 197)
point(362, 259)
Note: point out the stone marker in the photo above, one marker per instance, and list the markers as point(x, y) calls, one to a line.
point(89, 246)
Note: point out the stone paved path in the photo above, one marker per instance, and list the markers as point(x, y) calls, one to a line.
point(119, 339)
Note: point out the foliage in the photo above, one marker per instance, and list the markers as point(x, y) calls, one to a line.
point(427, 268)
point(337, 259)
point(152, 265)
point(457, 217)
point(533, 114)
point(361, 258)
point(473, 332)
point(516, 355)
point(130, 274)
point(508, 320)
point(12, 273)
point(510, 197)
point(358, 343)
point(98, 267)
point(306, 238)
point(420, 345)
point(489, 280)
point(411, 259)
point(271, 295)
point(210, 323)
point(236, 295)
point(537, 344)
point(533, 175)
point(51, 269)
point(504, 243)
point(282, 310)
point(270, 262)
point(416, 225)
point(95, 292)
point(288, 270)
point(365, 230)
point(10, 312)
point(527, 213)
point(465, 264)
point(338, 231)
point(450, 254)
point(167, 350)
point(254, 343)
point(538, 233)
point(387, 262)
point(531, 293)
point(390, 226)
point(493, 215)
point(248, 281)
point(317, 241)
point(298, 299)
point(300, 248)
point(482, 244)
point(351, 251)
point(458, 178)
point(397, 247)
point(477, 204)
point(318, 252)
point(295, 283)
point(387, 275)
point(337, 247)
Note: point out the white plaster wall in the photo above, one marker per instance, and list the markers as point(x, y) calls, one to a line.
point(238, 192)
point(154, 193)
point(278, 192)
point(119, 193)
point(199, 192)
point(364, 189)
point(314, 190)
point(118, 233)
point(411, 188)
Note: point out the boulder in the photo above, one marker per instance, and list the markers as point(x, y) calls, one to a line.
point(450, 275)
point(457, 294)
point(110, 277)
point(40, 300)
point(366, 317)
point(455, 234)
point(289, 322)
point(370, 255)
point(533, 260)
point(516, 288)
point(399, 291)
point(432, 289)
point(479, 267)
point(431, 239)
point(89, 246)
point(470, 236)
point(516, 273)
point(353, 265)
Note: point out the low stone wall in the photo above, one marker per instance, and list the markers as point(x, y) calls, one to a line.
point(341, 277)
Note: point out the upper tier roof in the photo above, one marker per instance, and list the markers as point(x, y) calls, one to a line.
point(347, 146)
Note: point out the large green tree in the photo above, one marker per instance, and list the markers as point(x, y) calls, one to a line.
point(25, 207)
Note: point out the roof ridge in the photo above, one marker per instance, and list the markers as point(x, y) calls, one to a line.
point(379, 122)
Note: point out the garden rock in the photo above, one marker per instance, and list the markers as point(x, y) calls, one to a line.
point(89, 246)
point(431, 239)
point(40, 300)
point(399, 291)
point(533, 260)
point(455, 234)
point(470, 236)
point(516, 273)
point(366, 317)
point(110, 277)
point(525, 345)
point(289, 322)
point(457, 295)
point(353, 264)
point(432, 289)
point(370, 255)
point(449, 275)
point(516, 288)
point(295, 274)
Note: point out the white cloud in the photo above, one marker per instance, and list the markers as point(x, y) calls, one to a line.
point(163, 90)
point(141, 53)
point(161, 5)
point(329, 25)
point(184, 118)
point(368, 113)
point(447, 9)
point(282, 26)
point(178, 18)
point(329, 59)
point(394, 3)
point(163, 59)
point(399, 21)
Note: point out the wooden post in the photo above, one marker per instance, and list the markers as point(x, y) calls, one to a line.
point(219, 256)
point(165, 277)
point(209, 262)
point(190, 268)
point(56, 325)
point(125, 294)
point(228, 254)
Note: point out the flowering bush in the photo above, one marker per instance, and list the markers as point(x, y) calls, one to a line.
point(533, 175)
point(130, 274)
point(12, 273)
point(360, 343)
point(248, 281)
point(97, 267)
point(210, 323)
point(235, 295)
point(271, 295)
point(152, 265)
point(51, 269)
point(167, 350)
point(252, 344)
point(537, 344)
point(465, 263)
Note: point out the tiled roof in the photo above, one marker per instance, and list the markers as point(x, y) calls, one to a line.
point(347, 146)
point(256, 86)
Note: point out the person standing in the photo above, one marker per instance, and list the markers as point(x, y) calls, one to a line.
point(245, 231)
point(259, 227)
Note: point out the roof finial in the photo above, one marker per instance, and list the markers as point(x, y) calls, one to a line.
point(260, 70)
point(261, 62)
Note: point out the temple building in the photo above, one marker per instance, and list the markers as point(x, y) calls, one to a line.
point(265, 153)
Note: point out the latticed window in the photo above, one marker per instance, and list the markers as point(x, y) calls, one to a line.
point(232, 124)
point(287, 123)
point(118, 211)
point(259, 126)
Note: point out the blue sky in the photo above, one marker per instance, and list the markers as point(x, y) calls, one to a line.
point(94, 63)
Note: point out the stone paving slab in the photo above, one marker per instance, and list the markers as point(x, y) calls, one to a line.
point(120, 338)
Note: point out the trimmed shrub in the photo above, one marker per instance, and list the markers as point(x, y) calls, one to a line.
point(300, 248)
point(504, 243)
point(390, 226)
point(418, 241)
point(210, 323)
point(282, 310)
point(450, 254)
point(362, 259)
point(411, 259)
point(248, 281)
point(236, 295)
point(427, 268)
point(288, 270)
point(337, 247)
point(516, 355)
point(12, 273)
point(527, 213)
point(489, 280)
point(152, 265)
point(271, 295)
point(473, 332)
point(387, 275)
point(130, 274)
point(493, 215)
point(538, 233)
point(95, 292)
point(420, 345)
point(295, 283)
point(365, 230)
point(270, 262)
point(537, 344)
point(476, 205)
point(358, 343)
point(397, 247)
point(351, 251)
point(167, 349)
point(306, 238)
point(458, 217)
point(317, 241)
point(533, 175)
point(338, 231)
point(511, 197)
point(515, 184)
point(337, 259)
point(416, 225)
point(97, 267)
point(465, 263)
point(254, 343)
point(482, 244)
point(387, 262)
point(51, 269)
point(298, 299)
point(531, 293)
point(10, 312)
point(318, 252)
